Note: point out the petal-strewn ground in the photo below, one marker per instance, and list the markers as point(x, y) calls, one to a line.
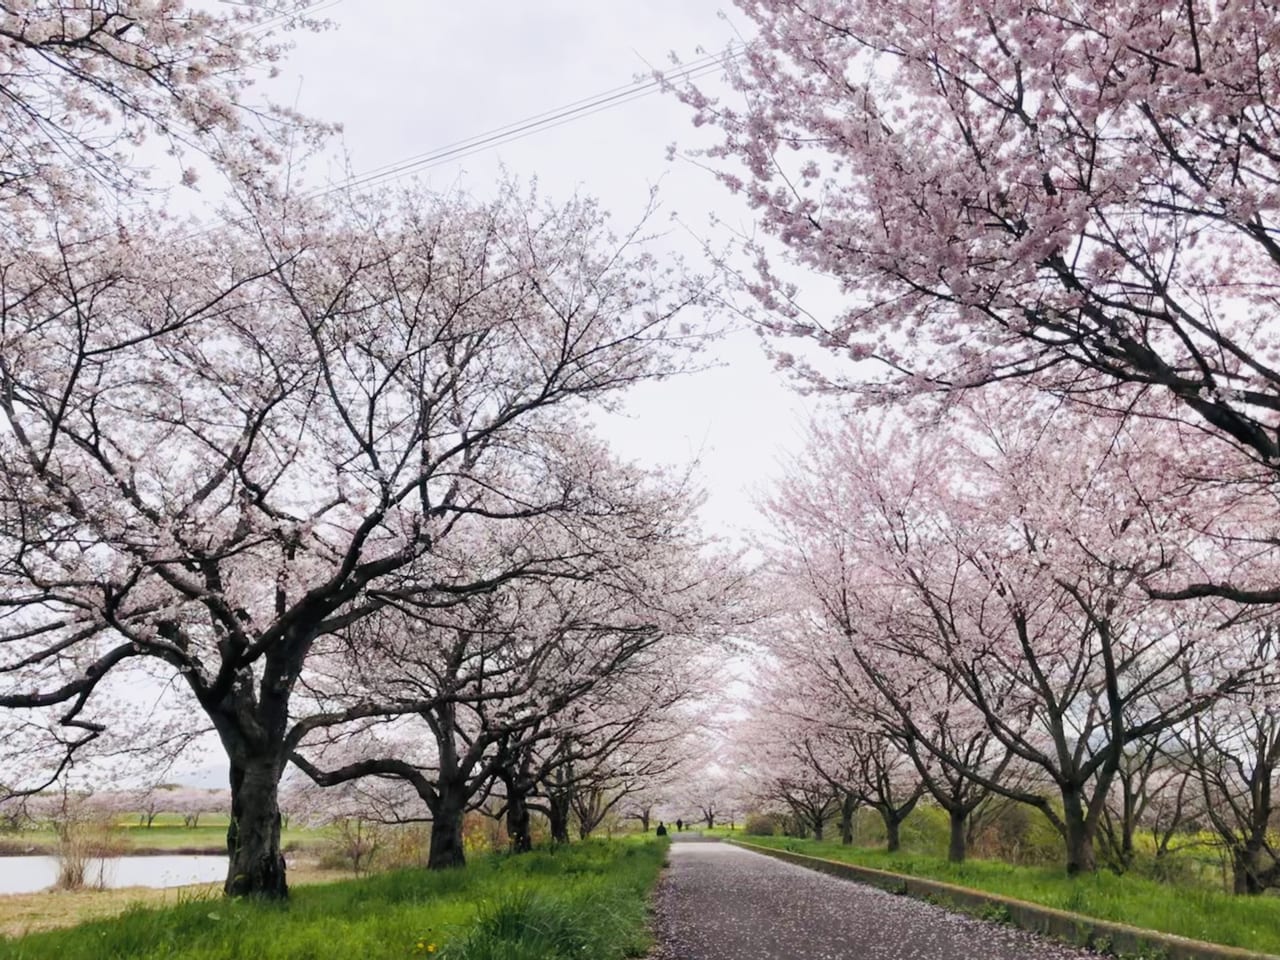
point(720, 902)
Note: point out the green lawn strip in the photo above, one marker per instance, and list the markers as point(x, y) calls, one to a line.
point(161, 837)
point(585, 900)
point(1252, 923)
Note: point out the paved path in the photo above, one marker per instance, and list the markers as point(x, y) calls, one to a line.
point(720, 902)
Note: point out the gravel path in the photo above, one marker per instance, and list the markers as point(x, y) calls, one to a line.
point(720, 902)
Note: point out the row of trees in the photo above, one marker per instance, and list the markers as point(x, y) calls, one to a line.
point(972, 611)
point(1063, 590)
point(343, 486)
point(145, 803)
point(324, 462)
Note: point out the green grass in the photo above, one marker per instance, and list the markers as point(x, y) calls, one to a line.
point(585, 900)
point(167, 833)
point(1190, 911)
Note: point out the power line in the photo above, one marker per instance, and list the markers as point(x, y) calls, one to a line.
point(310, 9)
point(546, 120)
point(536, 123)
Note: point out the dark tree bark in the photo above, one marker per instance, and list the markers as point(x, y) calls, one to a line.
point(848, 807)
point(957, 843)
point(518, 788)
point(558, 817)
point(1079, 831)
point(446, 848)
point(252, 722)
point(256, 865)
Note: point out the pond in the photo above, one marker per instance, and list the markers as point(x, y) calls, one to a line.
point(30, 874)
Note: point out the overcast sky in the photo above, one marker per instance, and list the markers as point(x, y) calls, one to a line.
point(408, 78)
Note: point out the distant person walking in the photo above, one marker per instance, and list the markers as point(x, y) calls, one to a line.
point(679, 826)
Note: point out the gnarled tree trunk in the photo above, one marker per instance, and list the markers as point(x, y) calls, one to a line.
point(518, 835)
point(558, 816)
point(251, 720)
point(256, 865)
point(446, 849)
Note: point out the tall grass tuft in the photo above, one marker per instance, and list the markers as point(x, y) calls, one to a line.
point(85, 846)
point(525, 926)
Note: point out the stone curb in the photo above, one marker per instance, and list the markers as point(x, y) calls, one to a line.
point(1104, 936)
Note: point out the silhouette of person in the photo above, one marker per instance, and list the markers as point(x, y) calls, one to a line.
point(662, 829)
point(679, 825)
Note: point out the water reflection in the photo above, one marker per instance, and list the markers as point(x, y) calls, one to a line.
point(29, 874)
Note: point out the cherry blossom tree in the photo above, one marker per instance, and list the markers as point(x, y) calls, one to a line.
point(568, 675)
point(87, 82)
point(1234, 750)
point(990, 554)
point(1154, 792)
point(1081, 195)
point(641, 804)
point(192, 803)
point(634, 740)
point(863, 711)
point(714, 781)
point(218, 449)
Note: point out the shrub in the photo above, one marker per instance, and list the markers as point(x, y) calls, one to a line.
point(352, 845)
point(1020, 835)
point(85, 844)
point(483, 833)
point(760, 825)
point(407, 845)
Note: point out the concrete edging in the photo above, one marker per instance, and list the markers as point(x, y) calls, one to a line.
point(1105, 936)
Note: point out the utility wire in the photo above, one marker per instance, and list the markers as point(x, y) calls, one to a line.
point(519, 129)
point(547, 120)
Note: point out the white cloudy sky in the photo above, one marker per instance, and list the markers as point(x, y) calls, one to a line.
point(408, 77)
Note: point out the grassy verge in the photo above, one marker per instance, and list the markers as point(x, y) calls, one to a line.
point(1249, 922)
point(25, 913)
point(163, 837)
point(586, 900)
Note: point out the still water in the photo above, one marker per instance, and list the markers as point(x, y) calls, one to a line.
point(29, 874)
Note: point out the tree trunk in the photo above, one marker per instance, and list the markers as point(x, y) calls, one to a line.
point(892, 832)
point(1246, 862)
point(253, 836)
point(959, 817)
point(446, 848)
point(449, 803)
point(1129, 826)
point(848, 807)
point(558, 815)
point(644, 820)
point(711, 820)
point(518, 821)
point(1079, 835)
